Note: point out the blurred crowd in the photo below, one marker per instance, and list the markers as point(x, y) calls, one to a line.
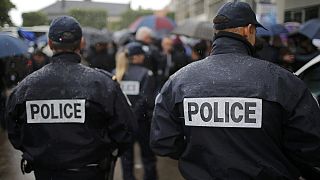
point(164, 55)
point(289, 51)
point(289, 48)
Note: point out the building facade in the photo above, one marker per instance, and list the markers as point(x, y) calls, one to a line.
point(301, 10)
point(276, 11)
point(62, 7)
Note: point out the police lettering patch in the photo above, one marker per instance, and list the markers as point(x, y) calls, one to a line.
point(56, 111)
point(223, 112)
point(130, 87)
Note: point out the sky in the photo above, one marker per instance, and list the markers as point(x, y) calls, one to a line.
point(35, 5)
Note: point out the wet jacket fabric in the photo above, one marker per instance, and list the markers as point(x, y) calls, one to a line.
point(66, 145)
point(142, 102)
point(289, 136)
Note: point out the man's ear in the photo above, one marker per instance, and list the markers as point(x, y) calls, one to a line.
point(50, 44)
point(246, 30)
point(82, 43)
point(252, 28)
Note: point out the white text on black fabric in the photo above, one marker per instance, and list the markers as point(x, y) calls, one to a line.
point(56, 111)
point(223, 112)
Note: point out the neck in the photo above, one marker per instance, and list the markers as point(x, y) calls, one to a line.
point(227, 42)
point(60, 51)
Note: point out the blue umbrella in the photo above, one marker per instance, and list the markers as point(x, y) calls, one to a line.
point(30, 36)
point(11, 46)
point(273, 30)
point(311, 29)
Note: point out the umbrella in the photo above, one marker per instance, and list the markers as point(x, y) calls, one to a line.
point(93, 36)
point(28, 35)
point(273, 30)
point(123, 36)
point(11, 46)
point(195, 29)
point(159, 24)
point(311, 29)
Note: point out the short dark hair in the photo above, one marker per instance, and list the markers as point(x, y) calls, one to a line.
point(66, 46)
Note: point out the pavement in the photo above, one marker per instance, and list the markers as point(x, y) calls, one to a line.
point(10, 164)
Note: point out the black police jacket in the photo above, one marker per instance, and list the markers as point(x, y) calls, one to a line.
point(142, 98)
point(207, 116)
point(66, 115)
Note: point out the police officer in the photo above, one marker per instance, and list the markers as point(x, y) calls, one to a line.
point(153, 61)
point(138, 83)
point(231, 116)
point(67, 118)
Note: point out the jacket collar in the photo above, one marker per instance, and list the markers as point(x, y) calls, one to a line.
point(66, 57)
point(227, 42)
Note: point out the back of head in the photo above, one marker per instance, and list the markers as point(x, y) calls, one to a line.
point(134, 48)
point(65, 34)
point(143, 33)
point(233, 15)
point(237, 18)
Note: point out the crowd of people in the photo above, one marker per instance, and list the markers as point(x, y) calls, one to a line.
point(289, 51)
point(142, 65)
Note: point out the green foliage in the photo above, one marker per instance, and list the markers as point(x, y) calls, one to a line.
point(96, 18)
point(5, 7)
point(171, 15)
point(34, 19)
point(131, 15)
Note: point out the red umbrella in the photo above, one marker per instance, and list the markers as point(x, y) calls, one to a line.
point(160, 25)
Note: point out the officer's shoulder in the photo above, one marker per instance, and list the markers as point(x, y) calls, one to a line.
point(35, 76)
point(270, 66)
point(277, 71)
point(142, 70)
point(147, 71)
point(105, 73)
point(189, 69)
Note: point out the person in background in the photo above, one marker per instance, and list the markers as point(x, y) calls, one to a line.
point(39, 59)
point(305, 51)
point(138, 83)
point(273, 50)
point(102, 55)
point(199, 51)
point(172, 58)
point(144, 35)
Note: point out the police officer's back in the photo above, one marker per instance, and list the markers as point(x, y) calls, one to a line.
point(67, 118)
point(138, 84)
point(231, 116)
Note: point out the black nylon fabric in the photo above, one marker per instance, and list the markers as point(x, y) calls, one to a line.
point(143, 103)
point(69, 145)
point(290, 133)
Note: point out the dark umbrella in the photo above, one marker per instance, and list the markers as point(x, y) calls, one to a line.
point(11, 46)
point(273, 30)
point(123, 37)
point(311, 29)
point(93, 36)
point(195, 29)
